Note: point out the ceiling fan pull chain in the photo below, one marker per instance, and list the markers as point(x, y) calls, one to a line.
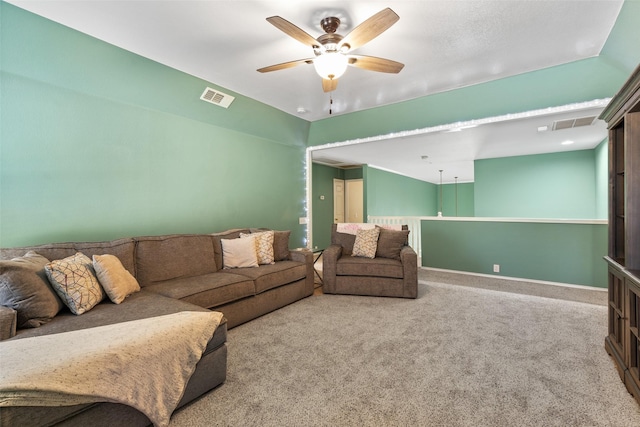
point(330, 103)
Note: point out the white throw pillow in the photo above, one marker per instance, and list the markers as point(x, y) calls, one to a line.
point(264, 245)
point(116, 280)
point(237, 253)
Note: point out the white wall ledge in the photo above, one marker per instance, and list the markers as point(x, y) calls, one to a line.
point(527, 220)
point(498, 219)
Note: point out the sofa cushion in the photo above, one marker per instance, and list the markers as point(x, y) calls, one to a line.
point(25, 288)
point(122, 248)
point(75, 282)
point(140, 305)
point(358, 266)
point(160, 258)
point(391, 242)
point(116, 281)
point(271, 276)
point(239, 253)
point(208, 290)
point(217, 244)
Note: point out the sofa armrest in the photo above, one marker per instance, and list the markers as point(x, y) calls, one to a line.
point(301, 255)
point(330, 258)
point(409, 259)
point(305, 256)
point(8, 322)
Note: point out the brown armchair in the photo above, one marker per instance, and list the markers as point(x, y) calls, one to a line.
point(392, 273)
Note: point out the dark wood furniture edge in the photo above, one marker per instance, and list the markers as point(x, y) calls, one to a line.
point(628, 94)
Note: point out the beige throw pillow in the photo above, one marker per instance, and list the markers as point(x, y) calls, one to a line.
point(117, 282)
point(75, 282)
point(238, 253)
point(264, 245)
point(366, 243)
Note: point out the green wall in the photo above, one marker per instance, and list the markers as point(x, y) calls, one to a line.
point(98, 143)
point(389, 194)
point(322, 209)
point(602, 179)
point(557, 185)
point(566, 253)
point(457, 200)
point(585, 80)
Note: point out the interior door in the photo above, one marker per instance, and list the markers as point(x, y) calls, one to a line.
point(354, 200)
point(338, 200)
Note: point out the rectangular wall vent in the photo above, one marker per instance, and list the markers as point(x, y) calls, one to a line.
point(573, 123)
point(217, 97)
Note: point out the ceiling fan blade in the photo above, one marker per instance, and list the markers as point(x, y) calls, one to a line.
point(284, 65)
point(371, 28)
point(293, 31)
point(373, 63)
point(329, 85)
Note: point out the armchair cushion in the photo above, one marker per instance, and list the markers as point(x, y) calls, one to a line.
point(373, 267)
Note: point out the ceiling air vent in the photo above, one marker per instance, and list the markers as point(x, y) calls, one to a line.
point(217, 98)
point(573, 123)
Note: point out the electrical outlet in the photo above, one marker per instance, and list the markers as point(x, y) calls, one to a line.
point(496, 268)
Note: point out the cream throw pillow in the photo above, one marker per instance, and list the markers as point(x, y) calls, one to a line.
point(116, 280)
point(366, 243)
point(75, 282)
point(264, 245)
point(238, 253)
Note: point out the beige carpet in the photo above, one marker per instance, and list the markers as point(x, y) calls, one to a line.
point(456, 356)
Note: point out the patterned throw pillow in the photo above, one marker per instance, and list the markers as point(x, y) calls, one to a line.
point(366, 243)
point(75, 282)
point(264, 245)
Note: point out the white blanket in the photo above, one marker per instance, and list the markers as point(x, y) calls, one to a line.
point(144, 364)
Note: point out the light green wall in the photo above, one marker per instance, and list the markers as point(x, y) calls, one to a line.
point(322, 209)
point(558, 185)
point(602, 179)
point(389, 194)
point(353, 173)
point(566, 253)
point(99, 143)
point(621, 46)
point(585, 80)
point(457, 200)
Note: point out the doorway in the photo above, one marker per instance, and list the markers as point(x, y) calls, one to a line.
point(348, 200)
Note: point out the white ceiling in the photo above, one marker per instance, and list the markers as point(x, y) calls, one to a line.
point(453, 148)
point(443, 44)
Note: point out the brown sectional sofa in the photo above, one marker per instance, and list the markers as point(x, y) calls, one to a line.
point(176, 273)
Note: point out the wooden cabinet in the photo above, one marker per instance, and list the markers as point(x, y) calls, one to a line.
point(623, 340)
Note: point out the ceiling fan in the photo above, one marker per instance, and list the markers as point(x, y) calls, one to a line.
point(332, 50)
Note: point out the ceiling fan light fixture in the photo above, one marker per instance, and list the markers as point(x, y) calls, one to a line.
point(330, 65)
